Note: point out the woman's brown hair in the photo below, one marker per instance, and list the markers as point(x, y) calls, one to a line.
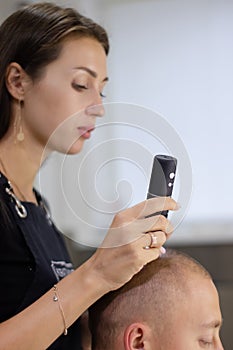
point(33, 38)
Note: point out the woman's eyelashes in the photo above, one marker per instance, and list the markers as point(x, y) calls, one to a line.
point(102, 95)
point(79, 87)
point(82, 87)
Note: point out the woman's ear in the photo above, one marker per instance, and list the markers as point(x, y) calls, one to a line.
point(138, 336)
point(16, 79)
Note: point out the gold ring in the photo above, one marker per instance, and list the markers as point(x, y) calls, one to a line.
point(153, 241)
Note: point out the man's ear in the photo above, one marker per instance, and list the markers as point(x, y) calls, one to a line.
point(138, 336)
point(16, 79)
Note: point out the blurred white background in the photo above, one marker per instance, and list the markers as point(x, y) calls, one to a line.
point(173, 57)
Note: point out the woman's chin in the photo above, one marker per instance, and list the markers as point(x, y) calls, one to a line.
point(76, 147)
point(67, 147)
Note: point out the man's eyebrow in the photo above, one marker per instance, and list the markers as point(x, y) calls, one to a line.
point(91, 72)
point(213, 324)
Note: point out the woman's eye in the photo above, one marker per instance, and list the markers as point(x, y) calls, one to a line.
point(79, 87)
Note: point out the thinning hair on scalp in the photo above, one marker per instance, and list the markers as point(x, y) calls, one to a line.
point(148, 297)
point(33, 37)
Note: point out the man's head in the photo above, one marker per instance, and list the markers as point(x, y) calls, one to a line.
point(171, 304)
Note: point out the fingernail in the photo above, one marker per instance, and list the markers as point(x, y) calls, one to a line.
point(178, 206)
point(162, 250)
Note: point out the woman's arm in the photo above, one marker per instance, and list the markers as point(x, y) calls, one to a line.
point(41, 323)
point(113, 264)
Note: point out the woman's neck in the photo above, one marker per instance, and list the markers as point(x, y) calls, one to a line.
point(20, 162)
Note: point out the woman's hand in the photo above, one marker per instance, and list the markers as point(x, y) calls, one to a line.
point(133, 240)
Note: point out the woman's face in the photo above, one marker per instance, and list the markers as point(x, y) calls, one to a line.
point(63, 104)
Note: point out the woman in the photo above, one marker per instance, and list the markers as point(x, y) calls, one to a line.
point(52, 66)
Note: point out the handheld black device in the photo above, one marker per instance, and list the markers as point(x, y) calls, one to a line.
point(162, 177)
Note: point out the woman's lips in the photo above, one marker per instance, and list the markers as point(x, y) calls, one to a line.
point(86, 131)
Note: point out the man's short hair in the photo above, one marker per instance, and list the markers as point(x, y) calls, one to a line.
point(151, 296)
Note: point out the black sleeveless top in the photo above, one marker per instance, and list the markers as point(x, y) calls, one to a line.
point(33, 258)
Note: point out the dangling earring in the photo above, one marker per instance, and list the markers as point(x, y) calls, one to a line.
point(18, 129)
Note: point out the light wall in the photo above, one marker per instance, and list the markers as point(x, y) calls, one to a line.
point(175, 57)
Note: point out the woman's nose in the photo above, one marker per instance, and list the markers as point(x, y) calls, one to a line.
point(95, 110)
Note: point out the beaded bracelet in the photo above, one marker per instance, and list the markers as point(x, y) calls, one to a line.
point(57, 299)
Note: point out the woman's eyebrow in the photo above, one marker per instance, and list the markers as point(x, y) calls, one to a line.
point(91, 72)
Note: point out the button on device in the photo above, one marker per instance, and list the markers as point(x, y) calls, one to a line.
point(170, 184)
point(172, 175)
